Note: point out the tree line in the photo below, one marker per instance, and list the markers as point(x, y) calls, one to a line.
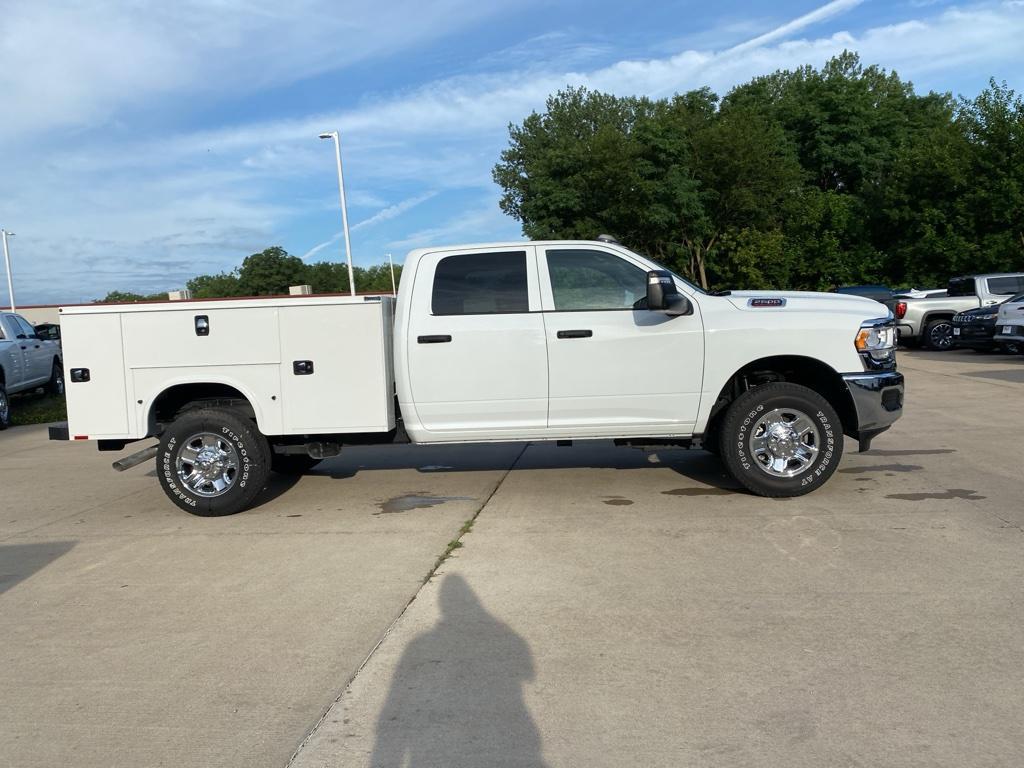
point(800, 179)
point(271, 272)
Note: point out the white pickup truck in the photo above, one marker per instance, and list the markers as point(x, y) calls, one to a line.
point(26, 362)
point(514, 341)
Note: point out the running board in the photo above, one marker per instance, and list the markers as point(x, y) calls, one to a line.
point(136, 458)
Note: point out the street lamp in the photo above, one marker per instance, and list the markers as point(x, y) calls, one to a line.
point(4, 234)
point(344, 211)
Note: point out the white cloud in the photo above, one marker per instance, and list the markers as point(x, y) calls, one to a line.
point(159, 208)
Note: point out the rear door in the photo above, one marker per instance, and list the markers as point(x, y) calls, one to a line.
point(38, 359)
point(477, 359)
point(615, 369)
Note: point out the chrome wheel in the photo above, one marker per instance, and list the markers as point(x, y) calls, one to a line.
point(784, 442)
point(207, 464)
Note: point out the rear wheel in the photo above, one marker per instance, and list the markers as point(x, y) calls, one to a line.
point(938, 335)
point(5, 408)
point(781, 440)
point(213, 461)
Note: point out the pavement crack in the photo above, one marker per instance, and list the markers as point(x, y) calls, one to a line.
point(452, 545)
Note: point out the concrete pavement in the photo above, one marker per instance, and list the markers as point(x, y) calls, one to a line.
point(609, 607)
point(646, 617)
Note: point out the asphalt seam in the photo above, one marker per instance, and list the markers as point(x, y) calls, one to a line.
point(390, 628)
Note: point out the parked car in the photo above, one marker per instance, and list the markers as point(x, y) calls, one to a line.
point(976, 328)
point(50, 331)
point(929, 321)
point(1009, 323)
point(26, 362)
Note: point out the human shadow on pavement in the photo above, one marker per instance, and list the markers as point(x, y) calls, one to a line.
point(19, 561)
point(456, 698)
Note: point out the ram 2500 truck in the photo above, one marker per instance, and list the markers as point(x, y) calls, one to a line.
point(26, 362)
point(565, 340)
point(929, 321)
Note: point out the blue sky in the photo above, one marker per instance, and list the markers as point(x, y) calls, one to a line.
point(144, 142)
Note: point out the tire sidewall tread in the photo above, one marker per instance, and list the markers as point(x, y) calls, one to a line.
point(253, 453)
point(744, 412)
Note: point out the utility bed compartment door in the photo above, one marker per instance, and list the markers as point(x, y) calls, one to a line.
point(168, 339)
point(97, 407)
point(336, 368)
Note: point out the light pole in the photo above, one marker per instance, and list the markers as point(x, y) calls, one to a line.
point(4, 234)
point(394, 288)
point(344, 211)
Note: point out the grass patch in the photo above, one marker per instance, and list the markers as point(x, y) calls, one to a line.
point(37, 409)
point(454, 544)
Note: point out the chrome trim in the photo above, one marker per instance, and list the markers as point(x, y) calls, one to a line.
point(777, 301)
point(207, 464)
point(785, 442)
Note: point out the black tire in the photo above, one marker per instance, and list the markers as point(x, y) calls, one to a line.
point(747, 466)
point(292, 463)
point(227, 434)
point(712, 440)
point(55, 386)
point(938, 335)
point(5, 408)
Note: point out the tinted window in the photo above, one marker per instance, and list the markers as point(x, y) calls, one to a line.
point(583, 279)
point(480, 284)
point(1004, 285)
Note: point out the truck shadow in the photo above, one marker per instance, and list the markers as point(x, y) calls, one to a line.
point(696, 465)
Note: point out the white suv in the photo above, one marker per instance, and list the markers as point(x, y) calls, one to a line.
point(1010, 320)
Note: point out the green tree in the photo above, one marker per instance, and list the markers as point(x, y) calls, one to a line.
point(215, 286)
point(127, 297)
point(270, 272)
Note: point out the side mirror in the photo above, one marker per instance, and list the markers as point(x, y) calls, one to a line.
point(663, 296)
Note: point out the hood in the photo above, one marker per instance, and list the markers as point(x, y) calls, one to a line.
point(796, 301)
point(991, 309)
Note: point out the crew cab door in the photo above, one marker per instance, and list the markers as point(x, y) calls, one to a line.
point(477, 362)
point(38, 360)
point(613, 368)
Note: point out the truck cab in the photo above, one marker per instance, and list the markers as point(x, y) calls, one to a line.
point(548, 340)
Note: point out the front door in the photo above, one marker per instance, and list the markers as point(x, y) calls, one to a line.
point(476, 352)
point(615, 369)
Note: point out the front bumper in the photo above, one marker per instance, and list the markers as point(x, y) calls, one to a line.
point(878, 400)
point(1016, 332)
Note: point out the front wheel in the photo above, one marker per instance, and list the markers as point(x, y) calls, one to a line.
point(781, 440)
point(213, 462)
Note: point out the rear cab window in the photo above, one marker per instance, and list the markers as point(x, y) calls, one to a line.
point(481, 284)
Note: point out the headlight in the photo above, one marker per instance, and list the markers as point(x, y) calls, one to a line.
point(876, 339)
point(989, 316)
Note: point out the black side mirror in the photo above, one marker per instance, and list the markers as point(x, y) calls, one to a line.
point(663, 296)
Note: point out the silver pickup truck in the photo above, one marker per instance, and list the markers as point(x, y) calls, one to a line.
point(929, 321)
point(26, 362)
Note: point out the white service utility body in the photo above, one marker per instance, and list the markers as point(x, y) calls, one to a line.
point(557, 340)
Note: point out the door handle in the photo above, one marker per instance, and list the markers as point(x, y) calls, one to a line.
point(440, 338)
point(579, 334)
point(302, 367)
